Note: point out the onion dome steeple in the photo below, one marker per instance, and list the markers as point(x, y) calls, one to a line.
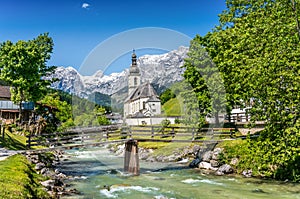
point(133, 68)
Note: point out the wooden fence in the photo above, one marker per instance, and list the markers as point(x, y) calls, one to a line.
point(71, 136)
point(112, 133)
point(177, 133)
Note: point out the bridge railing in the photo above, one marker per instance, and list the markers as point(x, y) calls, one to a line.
point(71, 136)
point(113, 133)
point(178, 132)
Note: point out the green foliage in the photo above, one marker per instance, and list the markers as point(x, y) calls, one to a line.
point(94, 118)
point(256, 49)
point(172, 107)
point(102, 120)
point(56, 112)
point(166, 96)
point(18, 179)
point(190, 111)
point(205, 80)
point(100, 99)
point(165, 123)
point(23, 67)
point(177, 121)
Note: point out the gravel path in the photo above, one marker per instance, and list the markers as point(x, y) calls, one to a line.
point(4, 153)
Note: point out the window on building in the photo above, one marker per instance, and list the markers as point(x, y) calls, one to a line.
point(135, 81)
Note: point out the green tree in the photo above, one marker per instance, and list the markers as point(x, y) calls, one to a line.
point(205, 80)
point(60, 117)
point(101, 118)
point(166, 96)
point(23, 67)
point(256, 48)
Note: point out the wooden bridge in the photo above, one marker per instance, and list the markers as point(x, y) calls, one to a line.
point(130, 135)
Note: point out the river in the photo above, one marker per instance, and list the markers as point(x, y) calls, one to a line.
point(96, 168)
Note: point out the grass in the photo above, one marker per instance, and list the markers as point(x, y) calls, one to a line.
point(170, 148)
point(13, 141)
point(231, 143)
point(172, 107)
point(19, 180)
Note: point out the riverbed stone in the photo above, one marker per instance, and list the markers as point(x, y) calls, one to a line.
point(214, 163)
point(44, 171)
point(247, 173)
point(48, 183)
point(207, 156)
point(216, 153)
point(226, 169)
point(204, 165)
point(39, 166)
point(150, 159)
point(173, 158)
point(219, 173)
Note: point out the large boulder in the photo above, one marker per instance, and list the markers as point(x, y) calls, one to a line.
point(215, 154)
point(214, 163)
point(204, 165)
point(207, 156)
point(226, 169)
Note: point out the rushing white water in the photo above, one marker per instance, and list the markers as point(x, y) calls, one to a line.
point(99, 174)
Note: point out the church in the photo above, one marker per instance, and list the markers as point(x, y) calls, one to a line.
point(142, 100)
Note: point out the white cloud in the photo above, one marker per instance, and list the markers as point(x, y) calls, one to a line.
point(85, 5)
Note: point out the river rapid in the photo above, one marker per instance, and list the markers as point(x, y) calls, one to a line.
point(97, 173)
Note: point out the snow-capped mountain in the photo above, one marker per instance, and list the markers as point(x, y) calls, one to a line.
point(161, 70)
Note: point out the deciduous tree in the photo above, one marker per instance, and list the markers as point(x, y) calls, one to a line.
point(24, 67)
point(256, 48)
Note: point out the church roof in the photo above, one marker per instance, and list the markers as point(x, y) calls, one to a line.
point(143, 91)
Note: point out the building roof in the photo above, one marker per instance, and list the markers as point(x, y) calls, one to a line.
point(5, 92)
point(144, 91)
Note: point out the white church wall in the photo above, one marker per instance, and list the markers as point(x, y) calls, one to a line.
point(148, 120)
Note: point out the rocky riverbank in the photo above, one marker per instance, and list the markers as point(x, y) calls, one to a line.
point(207, 159)
point(45, 164)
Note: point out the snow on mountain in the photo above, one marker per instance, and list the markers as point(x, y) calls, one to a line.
point(162, 70)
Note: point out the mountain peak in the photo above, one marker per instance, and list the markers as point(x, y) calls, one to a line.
point(162, 70)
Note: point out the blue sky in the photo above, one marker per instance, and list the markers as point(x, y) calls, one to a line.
point(78, 27)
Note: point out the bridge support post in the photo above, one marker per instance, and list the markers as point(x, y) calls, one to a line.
point(131, 159)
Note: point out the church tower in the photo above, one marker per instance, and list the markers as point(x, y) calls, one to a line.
point(134, 78)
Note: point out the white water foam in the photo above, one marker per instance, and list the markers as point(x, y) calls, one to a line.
point(183, 161)
point(83, 154)
point(211, 182)
point(114, 190)
point(162, 197)
point(192, 181)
